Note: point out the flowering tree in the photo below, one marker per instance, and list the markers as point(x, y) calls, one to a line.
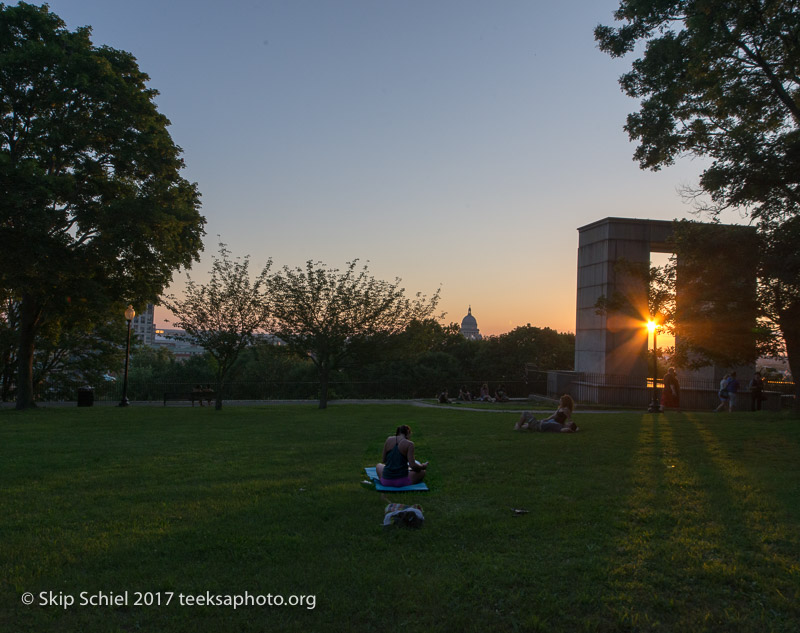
point(340, 317)
point(223, 315)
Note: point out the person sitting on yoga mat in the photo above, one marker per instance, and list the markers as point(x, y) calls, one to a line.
point(398, 467)
point(559, 422)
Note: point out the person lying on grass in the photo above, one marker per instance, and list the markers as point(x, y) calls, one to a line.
point(559, 422)
point(398, 467)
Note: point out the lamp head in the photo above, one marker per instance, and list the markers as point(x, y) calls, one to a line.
point(130, 313)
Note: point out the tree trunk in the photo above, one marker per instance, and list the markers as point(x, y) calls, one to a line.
point(324, 376)
point(8, 376)
point(790, 327)
point(30, 315)
point(218, 401)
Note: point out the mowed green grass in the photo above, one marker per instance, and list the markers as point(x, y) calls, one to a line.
point(677, 522)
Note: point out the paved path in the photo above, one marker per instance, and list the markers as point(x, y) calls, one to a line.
point(332, 403)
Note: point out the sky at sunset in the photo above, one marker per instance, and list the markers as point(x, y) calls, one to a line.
point(455, 144)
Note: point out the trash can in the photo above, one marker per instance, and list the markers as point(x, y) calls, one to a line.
point(85, 396)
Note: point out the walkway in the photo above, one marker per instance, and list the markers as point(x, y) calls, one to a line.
point(331, 403)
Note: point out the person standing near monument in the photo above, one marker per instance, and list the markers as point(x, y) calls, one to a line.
point(733, 389)
point(671, 396)
point(756, 391)
point(723, 393)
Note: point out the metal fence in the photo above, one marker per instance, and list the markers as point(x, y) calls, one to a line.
point(585, 388)
point(278, 390)
point(637, 391)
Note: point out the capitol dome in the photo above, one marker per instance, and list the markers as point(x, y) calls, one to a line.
point(469, 327)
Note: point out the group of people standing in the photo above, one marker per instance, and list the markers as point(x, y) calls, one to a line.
point(729, 390)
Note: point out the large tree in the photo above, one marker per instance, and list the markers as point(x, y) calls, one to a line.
point(779, 289)
point(92, 204)
point(720, 79)
point(81, 345)
point(506, 357)
point(224, 315)
point(338, 317)
point(717, 316)
point(9, 330)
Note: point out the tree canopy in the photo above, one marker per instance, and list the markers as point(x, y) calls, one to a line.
point(335, 317)
point(717, 316)
point(92, 204)
point(718, 79)
point(779, 287)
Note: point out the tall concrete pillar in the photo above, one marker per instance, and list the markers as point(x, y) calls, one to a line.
point(614, 344)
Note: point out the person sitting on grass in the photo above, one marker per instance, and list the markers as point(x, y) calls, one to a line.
point(398, 467)
point(485, 397)
point(464, 394)
point(500, 395)
point(443, 397)
point(559, 422)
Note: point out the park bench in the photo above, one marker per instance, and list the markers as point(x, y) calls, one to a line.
point(199, 396)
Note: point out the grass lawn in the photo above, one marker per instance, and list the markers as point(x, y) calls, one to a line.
point(676, 522)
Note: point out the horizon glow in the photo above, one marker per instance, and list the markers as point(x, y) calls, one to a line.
point(453, 144)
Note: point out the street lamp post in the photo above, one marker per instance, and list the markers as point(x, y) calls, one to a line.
point(129, 314)
point(654, 407)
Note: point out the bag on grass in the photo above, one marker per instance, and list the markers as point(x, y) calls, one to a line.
point(403, 515)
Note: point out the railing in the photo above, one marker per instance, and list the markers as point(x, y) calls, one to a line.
point(782, 387)
point(586, 388)
point(637, 391)
point(279, 390)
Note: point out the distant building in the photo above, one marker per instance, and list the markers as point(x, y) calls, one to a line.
point(143, 325)
point(173, 340)
point(469, 327)
point(181, 349)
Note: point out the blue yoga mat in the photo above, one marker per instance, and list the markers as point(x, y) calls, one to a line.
point(373, 475)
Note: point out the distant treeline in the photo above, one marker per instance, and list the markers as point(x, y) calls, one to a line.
point(421, 361)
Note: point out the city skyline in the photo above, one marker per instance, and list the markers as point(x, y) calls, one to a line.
point(456, 145)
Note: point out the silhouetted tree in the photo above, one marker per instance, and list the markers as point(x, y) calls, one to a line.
point(223, 315)
point(720, 80)
point(340, 317)
point(92, 204)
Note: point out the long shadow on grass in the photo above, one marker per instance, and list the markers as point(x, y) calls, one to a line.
point(643, 520)
point(755, 559)
point(704, 548)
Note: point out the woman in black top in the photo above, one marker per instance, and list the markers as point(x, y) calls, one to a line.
point(398, 467)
